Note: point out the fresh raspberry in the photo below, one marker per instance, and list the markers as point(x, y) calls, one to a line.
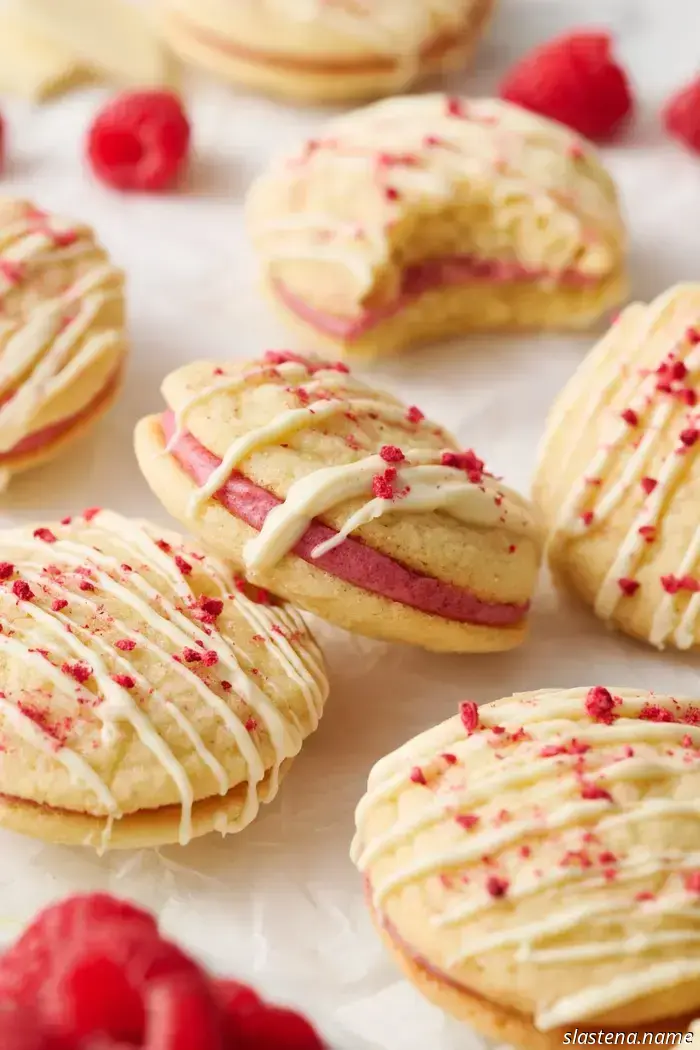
point(273, 1028)
point(573, 79)
point(183, 1015)
point(681, 116)
point(20, 1030)
point(140, 141)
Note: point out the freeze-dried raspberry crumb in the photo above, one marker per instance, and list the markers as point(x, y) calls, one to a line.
point(383, 484)
point(91, 512)
point(207, 609)
point(209, 658)
point(656, 713)
point(164, 546)
point(689, 436)
point(414, 414)
point(192, 656)
point(6, 570)
point(468, 461)
point(251, 725)
point(455, 107)
point(497, 887)
point(124, 680)
point(600, 705)
point(592, 792)
point(417, 776)
point(630, 417)
point(46, 535)
point(575, 80)
point(59, 603)
point(467, 820)
point(22, 590)
point(469, 713)
point(226, 686)
point(692, 336)
point(587, 517)
point(648, 532)
point(140, 141)
point(627, 586)
point(85, 585)
point(184, 566)
point(125, 644)
point(681, 116)
point(391, 454)
point(80, 671)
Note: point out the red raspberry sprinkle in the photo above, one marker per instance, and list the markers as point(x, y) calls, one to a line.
point(592, 792)
point(469, 713)
point(606, 857)
point(656, 713)
point(630, 417)
point(587, 517)
point(391, 193)
point(681, 116)
point(689, 436)
point(670, 583)
point(414, 414)
point(207, 609)
point(124, 680)
point(644, 895)
point(251, 724)
point(449, 758)
point(525, 851)
point(22, 590)
point(467, 820)
point(184, 566)
point(552, 750)
point(140, 141)
point(648, 532)
point(91, 512)
point(58, 603)
point(6, 570)
point(627, 586)
point(692, 336)
point(496, 887)
point(44, 534)
point(687, 740)
point(575, 80)
point(85, 585)
point(468, 461)
point(125, 644)
point(209, 658)
point(80, 671)
point(417, 776)
point(600, 705)
point(692, 882)
point(455, 107)
point(383, 484)
point(164, 546)
point(391, 454)
point(191, 655)
point(13, 272)
point(226, 686)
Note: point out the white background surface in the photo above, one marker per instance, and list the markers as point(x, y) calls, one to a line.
point(281, 904)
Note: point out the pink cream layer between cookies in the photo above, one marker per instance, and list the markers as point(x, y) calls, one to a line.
point(352, 561)
point(50, 434)
point(422, 277)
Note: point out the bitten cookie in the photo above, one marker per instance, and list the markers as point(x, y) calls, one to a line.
point(144, 699)
point(62, 339)
point(425, 217)
point(533, 865)
point(619, 475)
point(326, 490)
point(326, 50)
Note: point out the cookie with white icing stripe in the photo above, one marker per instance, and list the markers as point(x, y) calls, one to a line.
point(338, 497)
point(144, 698)
point(326, 50)
point(62, 338)
point(533, 864)
point(619, 474)
point(426, 217)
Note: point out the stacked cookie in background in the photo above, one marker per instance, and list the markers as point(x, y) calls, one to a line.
point(533, 864)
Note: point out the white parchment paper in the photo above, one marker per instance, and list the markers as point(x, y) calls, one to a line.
point(281, 904)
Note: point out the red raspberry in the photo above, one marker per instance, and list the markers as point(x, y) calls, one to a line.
point(20, 1030)
point(273, 1028)
point(139, 141)
point(681, 116)
point(575, 80)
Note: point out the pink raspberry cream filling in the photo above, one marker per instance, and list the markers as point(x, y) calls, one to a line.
point(353, 561)
point(422, 277)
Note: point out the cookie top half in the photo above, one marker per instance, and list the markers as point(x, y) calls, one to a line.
point(619, 473)
point(543, 852)
point(62, 338)
point(135, 676)
point(415, 178)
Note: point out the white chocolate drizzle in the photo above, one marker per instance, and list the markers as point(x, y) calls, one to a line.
point(141, 583)
point(541, 781)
